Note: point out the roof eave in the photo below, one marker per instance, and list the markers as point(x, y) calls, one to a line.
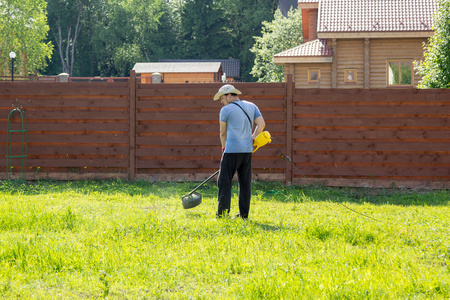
point(175, 72)
point(308, 5)
point(279, 60)
point(378, 34)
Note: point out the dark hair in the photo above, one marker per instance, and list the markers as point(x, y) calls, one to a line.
point(232, 94)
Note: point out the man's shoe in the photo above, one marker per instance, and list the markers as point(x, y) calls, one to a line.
point(239, 216)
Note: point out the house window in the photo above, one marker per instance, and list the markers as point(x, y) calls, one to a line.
point(400, 72)
point(313, 75)
point(350, 75)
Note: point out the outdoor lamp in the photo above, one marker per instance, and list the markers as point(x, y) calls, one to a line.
point(12, 55)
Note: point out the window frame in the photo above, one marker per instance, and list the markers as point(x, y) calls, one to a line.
point(399, 61)
point(315, 81)
point(355, 78)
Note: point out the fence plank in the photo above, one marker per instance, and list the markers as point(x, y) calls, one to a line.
point(396, 122)
point(374, 145)
point(368, 170)
point(386, 110)
point(76, 114)
point(64, 150)
point(59, 89)
point(71, 101)
point(332, 133)
point(375, 158)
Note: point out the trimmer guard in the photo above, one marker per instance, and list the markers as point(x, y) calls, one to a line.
point(191, 200)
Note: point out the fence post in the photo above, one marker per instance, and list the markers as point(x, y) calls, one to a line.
point(34, 77)
point(132, 106)
point(290, 90)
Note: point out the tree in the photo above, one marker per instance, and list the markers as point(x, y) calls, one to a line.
point(125, 35)
point(23, 30)
point(204, 30)
point(243, 21)
point(115, 34)
point(279, 35)
point(435, 68)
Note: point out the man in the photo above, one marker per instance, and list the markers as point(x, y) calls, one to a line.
point(236, 124)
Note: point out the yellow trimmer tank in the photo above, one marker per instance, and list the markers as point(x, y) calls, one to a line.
point(262, 139)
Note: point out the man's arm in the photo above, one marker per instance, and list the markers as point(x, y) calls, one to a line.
point(260, 125)
point(223, 133)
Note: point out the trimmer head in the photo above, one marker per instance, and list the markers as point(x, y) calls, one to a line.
point(191, 200)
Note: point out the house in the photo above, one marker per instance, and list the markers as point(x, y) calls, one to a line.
point(180, 72)
point(359, 44)
point(231, 67)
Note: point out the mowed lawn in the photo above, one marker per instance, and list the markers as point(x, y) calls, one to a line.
point(134, 240)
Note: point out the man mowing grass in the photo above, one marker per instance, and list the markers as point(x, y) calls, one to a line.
point(236, 124)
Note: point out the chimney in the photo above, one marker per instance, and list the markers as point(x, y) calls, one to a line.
point(310, 12)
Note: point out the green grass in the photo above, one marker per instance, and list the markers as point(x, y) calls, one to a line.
point(124, 240)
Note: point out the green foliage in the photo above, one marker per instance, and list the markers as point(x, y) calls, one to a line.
point(115, 34)
point(133, 240)
point(279, 35)
point(204, 29)
point(125, 35)
point(435, 68)
point(243, 21)
point(65, 21)
point(23, 30)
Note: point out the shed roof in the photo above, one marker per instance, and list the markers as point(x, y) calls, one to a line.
point(313, 51)
point(177, 67)
point(317, 47)
point(232, 67)
point(375, 15)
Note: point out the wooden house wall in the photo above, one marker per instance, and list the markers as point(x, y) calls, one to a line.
point(300, 74)
point(184, 77)
point(349, 55)
point(383, 49)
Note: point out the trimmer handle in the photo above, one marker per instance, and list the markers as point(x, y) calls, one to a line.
point(206, 180)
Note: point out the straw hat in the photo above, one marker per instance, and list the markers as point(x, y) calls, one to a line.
point(226, 89)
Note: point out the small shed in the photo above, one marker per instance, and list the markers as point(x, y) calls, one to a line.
point(231, 67)
point(180, 72)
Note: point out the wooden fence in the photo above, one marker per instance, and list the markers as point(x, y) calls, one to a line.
point(170, 132)
point(373, 137)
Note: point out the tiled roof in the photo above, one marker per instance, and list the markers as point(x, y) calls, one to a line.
point(177, 67)
point(375, 15)
point(231, 67)
point(317, 47)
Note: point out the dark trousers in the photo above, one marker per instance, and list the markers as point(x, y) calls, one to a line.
point(229, 165)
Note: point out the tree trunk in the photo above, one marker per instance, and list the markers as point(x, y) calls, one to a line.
point(66, 47)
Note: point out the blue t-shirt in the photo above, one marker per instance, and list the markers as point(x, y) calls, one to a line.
point(239, 129)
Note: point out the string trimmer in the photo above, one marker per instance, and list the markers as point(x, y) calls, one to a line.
point(192, 199)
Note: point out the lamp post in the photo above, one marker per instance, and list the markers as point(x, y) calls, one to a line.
point(12, 55)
